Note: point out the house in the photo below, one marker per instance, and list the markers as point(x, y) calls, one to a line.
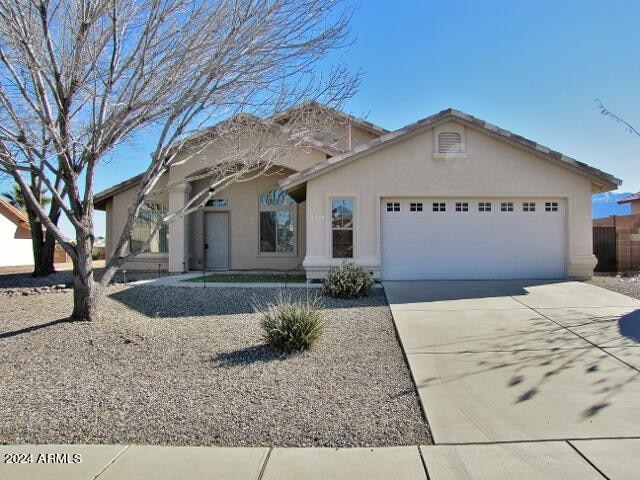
point(620, 240)
point(634, 201)
point(447, 197)
point(15, 237)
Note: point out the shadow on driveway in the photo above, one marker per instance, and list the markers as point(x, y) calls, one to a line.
point(629, 326)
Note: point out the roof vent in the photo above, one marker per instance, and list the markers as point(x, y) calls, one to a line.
point(450, 142)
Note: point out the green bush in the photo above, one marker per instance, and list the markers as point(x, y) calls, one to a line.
point(291, 326)
point(349, 280)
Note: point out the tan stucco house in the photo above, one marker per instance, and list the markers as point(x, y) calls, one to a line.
point(447, 197)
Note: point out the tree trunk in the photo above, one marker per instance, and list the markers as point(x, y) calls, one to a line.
point(43, 256)
point(86, 291)
point(44, 245)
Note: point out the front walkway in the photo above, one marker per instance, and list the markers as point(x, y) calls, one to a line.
point(519, 361)
point(181, 281)
point(581, 460)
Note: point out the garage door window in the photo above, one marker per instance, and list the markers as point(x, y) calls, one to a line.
point(484, 206)
point(551, 206)
point(415, 207)
point(393, 206)
point(342, 227)
point(506, 207)
point(529, 207)
point(462, 207)
point(439, 207)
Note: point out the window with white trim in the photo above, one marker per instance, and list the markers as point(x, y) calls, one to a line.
point(506, 206)
point(415, 206)
point(462, 207)
point(484, 206)
point(450, 142)
point(393, 206)
point(277, 222)
point(342, 228)
point(529, 207)
point(551, 206)
point(149, 219)
point(439, 207)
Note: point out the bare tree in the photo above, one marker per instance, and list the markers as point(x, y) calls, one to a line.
point(81, 76)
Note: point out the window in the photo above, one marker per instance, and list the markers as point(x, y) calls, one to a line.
point(506, 207)
point(415, 207)
point(484, 206)
point(551, 206)
point(218, 203)
point(393, 206)
point(342, 227)
point(529, 207)
point(439, 207)
point(450, 142)
point(277, 222)
point(462, 207)
point(149, 218)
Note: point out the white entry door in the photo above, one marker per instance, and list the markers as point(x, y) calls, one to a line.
point(216, 240)
point(444, 238)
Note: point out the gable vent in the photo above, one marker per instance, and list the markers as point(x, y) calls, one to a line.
point(449, 142)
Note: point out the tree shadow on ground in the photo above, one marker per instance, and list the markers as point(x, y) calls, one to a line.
point(245, 356)
point(175, 302)
point(34, 328)
point(528, 372)
point(629, 326)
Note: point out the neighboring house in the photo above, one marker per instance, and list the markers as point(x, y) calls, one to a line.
point(15, 237)
point(634, 201)
point(448, 197)
point(621, 248)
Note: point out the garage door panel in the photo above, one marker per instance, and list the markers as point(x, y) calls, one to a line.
point(473, 244)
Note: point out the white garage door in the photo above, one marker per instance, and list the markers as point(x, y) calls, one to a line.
point(438, 238)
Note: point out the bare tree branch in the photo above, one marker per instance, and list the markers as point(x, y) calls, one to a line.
point(607, 113)
point(78, 78)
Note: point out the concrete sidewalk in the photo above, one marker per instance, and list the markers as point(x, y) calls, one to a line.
point(579, 460)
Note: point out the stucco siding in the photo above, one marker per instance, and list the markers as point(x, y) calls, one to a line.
point(15, 246)
point(244, 227)
point(492, 168)
point(117, 213)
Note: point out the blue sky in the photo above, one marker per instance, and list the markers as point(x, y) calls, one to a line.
point(534, 69)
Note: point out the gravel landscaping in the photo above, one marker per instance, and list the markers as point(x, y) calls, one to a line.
point(25, 284)
point(627, 284)
point(186, 366)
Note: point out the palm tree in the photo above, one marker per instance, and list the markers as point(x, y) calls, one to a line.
point(16, 198)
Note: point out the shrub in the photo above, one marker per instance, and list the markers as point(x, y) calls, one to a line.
point(349, 280)
point(290, 326)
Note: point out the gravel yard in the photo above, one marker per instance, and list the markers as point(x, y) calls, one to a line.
point(185, 366)
point(626, 284)
point(12, 282)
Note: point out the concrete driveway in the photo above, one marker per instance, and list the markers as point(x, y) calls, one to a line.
point(500, 361)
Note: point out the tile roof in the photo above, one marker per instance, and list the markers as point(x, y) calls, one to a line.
point(630, 198)
point(440, 117)
point(19, 217)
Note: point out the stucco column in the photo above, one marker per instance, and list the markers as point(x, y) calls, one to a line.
point(178, 229)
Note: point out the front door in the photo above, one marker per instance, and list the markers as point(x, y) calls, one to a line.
point(216, 240)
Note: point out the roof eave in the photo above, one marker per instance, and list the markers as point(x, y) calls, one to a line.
point(604, 180)
point(100, 198)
